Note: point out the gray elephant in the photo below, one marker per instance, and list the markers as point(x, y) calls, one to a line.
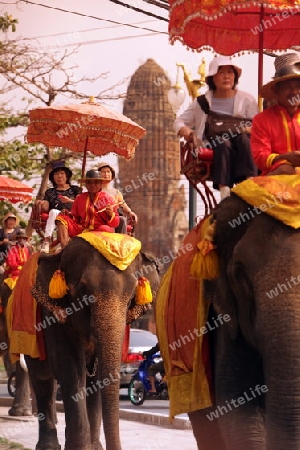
point(84, 352)
point(256, 362)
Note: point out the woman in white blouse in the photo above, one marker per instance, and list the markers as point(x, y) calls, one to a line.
point(232, 160)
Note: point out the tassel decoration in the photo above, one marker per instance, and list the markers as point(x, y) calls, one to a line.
point(205, 267)
point(58, 286)
point(206, 264)
point(143, 293)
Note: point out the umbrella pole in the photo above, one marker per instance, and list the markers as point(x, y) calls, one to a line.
point(261, 56)
point(84, 158)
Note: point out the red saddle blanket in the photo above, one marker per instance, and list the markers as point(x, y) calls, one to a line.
point(23, 316)
point(180, 310)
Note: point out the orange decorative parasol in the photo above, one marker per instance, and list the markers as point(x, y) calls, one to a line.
point(85, 127)
point(14, 191)
point(231, 26)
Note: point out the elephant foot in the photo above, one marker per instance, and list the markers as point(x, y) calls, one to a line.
point(97, 446)
point(19, 412)
point(48, 440)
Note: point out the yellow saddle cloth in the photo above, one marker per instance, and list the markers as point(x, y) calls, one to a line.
point(119, 249)
point(277, 195)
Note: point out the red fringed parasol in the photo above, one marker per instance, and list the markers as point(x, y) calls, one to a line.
point(14, 191)
point(231, 26)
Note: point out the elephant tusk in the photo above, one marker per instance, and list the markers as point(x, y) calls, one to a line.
point(23, 363)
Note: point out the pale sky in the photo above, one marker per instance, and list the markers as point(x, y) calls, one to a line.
point(115, 48)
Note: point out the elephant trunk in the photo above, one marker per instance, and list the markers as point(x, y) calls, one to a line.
point(108, 329)
point(278, 338)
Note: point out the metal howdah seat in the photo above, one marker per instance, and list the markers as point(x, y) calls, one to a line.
point(197, 166)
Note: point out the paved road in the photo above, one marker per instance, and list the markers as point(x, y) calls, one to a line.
point(160, 407)
point(145, 427)
point(139, 426)
point(134, 435)
point(149, 406)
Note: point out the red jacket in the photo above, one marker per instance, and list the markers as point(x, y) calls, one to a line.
point(88, 214)
point(274, 132)
point(16, 258)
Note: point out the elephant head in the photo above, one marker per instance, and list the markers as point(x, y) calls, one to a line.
point(98, 303)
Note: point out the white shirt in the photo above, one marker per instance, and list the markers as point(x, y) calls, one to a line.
point(194, 117)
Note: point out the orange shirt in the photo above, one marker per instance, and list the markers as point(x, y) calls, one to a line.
point(274, 132)
point(90, 215)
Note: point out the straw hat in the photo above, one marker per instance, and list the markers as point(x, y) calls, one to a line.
point(219, 61)
point(286, 60)
point(288, 68)
point(12, 216)
point(104, 164)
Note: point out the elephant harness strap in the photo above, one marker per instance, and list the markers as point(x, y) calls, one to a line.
point(196, 165)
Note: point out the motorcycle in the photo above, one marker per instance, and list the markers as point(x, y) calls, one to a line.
point(140, 385)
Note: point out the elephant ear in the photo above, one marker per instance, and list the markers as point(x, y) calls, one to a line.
point(245, 299)
point(149, 268)
point(46, 267)
point(230, 231)
point(147, 256)
point(220, 294)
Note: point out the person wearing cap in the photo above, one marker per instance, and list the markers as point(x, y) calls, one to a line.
point(94, 210)
point(17, 255)
point(232, 158)
point(108, 174)
point(275, 137)
point(57, 199)
point(7, 234)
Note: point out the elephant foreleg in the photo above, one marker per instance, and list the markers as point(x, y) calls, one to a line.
point(22, 404)
point(43, 385)
point(207, 433)
point(238, 408)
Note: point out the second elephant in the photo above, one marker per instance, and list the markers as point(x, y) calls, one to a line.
point(84, 353)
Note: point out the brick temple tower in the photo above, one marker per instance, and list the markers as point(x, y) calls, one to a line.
point(154, 173)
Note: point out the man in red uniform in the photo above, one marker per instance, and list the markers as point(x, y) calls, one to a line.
point(275, 136)
point(17, 255)
point(92, 210)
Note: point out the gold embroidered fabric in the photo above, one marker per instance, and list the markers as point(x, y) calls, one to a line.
point(119, 249)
